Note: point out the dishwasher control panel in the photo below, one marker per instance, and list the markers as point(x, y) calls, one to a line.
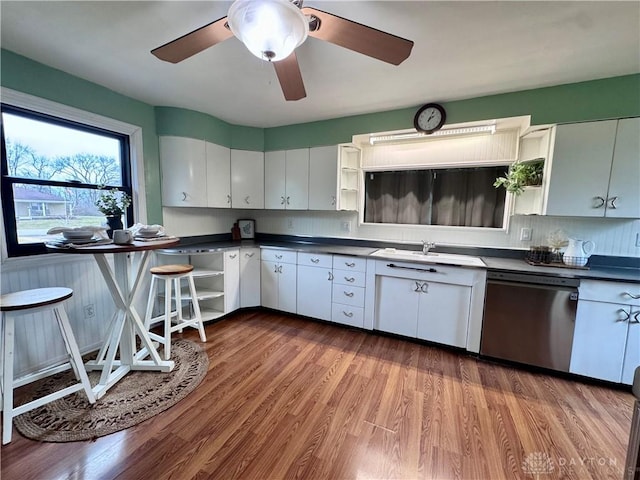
point(533, 278)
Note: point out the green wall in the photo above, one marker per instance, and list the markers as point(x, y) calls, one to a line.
point(592, 100)
point(24, 75)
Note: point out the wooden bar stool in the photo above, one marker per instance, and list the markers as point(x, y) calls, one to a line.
point(173, 274)
point(13, 305)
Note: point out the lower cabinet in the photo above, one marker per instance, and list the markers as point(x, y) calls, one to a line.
point(249, 277)
point(315, 276)
point(606, 339)
point(278, 280)
point(432, 304)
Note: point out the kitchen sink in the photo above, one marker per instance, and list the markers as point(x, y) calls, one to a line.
point(431, 257)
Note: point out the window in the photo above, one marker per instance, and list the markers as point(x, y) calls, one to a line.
point(461, 196)
point(52, 171)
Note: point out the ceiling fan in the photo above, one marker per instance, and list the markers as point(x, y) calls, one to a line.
point(273, 29)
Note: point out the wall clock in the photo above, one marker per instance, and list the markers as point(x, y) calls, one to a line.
point(429, 118)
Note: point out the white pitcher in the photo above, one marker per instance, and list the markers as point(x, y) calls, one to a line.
point(578, 252)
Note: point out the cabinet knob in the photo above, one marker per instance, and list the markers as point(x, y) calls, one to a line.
point(333, 200)
point(330, 276)
point(280, 269)
point(184, 196)
point(281, 200)
point(246, 199)
point(347, 314)
point(612, 203)
point(598, 202)
point(635, 318)
point(229, 199)
point(288, 200)
point(421, 287)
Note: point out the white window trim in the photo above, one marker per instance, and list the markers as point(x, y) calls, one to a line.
point(41, 105)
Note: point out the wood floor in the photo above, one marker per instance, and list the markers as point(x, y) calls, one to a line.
point(293, 398)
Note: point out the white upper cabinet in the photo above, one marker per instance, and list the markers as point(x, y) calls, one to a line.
point(184, 172)
point(286, 179)
point(323, 176)
point(247, 179)
point(623, 200)
point(595, 170)
point(218, 175)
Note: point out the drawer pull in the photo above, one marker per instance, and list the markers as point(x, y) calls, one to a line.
point(348, 294)
point(232, 255)
point(635, 316)
point(627, 315)
point(422, 287)
point(246, 200)
point(315, 260)
point(350, 279)
point(350, 264)
point(281, 200)
point(635, 297)
point(330, 276)
point(347, 314)
point(248, 255)
point(279, 257)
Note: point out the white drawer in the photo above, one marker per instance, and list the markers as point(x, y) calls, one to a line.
point(345, 277)
point(348, 295)
point(315, 259)
point(278, 255)
point(357, 264)
point(610, 292)
point(347, 315)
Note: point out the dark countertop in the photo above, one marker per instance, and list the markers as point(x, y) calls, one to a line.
point(502, 261)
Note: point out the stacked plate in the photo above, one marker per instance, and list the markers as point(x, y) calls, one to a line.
point(78, 236)
point(148, 232)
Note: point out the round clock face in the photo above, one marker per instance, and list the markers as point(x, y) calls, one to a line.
point(429, 118)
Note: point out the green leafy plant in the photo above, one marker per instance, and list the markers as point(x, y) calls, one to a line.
point(113, 203)
point(520, 175)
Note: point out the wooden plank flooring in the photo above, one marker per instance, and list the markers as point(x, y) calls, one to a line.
point(292, 398)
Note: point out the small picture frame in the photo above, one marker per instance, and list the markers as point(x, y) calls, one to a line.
point(247, 228)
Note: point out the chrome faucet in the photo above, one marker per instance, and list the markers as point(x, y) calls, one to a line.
point(426, 246)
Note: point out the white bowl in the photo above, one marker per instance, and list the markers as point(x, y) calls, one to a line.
point(77, 235)
point(148, 232)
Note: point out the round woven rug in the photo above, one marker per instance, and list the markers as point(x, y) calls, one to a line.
point(138, 396)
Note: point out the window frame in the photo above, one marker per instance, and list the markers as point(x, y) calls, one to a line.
point(133, 174)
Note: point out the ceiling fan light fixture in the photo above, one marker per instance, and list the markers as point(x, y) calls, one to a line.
point(270, 29)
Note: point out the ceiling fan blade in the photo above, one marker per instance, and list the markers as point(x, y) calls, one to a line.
point(194, 42)
point(359, 38)
point(290, 78)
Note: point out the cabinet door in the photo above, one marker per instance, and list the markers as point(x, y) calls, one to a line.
point(184, 177)
point(231, 280)
point(250, 277)
point(599, 340)
point(247, 179)
point(269, 284)
point(625, 171)
point(581, 163)
point(323, 178)
point(218, 175)
point(297, 179)
point(397, 306)
point(314, 292)
point(287, 287)
point(443, 314)
point(274, 180)
point(632, 351)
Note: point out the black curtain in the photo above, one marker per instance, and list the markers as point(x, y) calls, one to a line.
point(398, 197)
point(467, 197)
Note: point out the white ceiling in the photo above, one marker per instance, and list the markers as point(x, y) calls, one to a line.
point(462, 50)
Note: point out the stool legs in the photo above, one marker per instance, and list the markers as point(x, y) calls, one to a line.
point(75, 361)
point(172, 282)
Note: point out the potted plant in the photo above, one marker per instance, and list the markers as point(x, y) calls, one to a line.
point(112, 204)
point(520, 175)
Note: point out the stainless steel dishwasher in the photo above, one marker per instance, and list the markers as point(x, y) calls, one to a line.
point(529, 318)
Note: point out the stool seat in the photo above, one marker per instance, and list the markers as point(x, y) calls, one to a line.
point(13, 305)
point(171, 275)
point(37, 297)
point(171, 269)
